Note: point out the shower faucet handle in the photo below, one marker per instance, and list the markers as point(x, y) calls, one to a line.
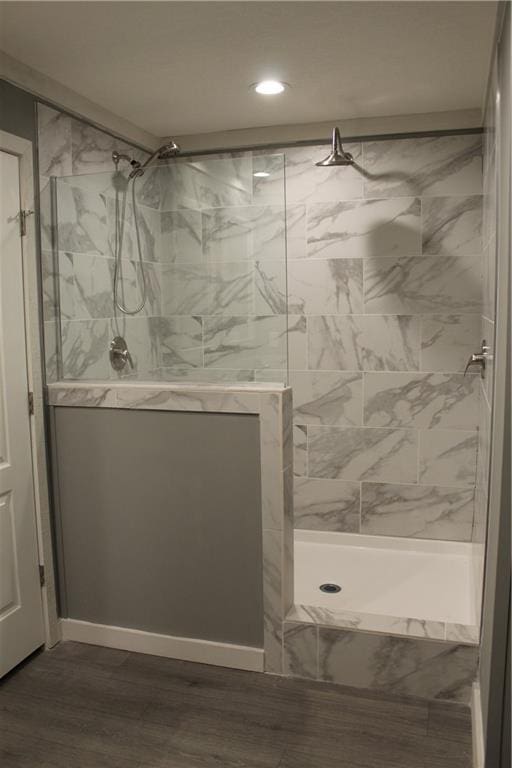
point(119, 354)
point(480, 358)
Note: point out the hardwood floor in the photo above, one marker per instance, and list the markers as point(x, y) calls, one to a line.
point(82, 706)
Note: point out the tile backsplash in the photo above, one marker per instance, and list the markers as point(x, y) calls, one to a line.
point(383, 291)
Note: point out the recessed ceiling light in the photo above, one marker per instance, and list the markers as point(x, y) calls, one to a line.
point(261, 174)
point(269, 87)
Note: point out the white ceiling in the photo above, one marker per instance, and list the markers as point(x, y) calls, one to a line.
point(184, 67)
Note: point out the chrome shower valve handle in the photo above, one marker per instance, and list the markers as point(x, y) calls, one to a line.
point(480, 359)
point(119, 354)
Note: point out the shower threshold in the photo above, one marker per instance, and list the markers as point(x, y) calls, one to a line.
point(411, 587)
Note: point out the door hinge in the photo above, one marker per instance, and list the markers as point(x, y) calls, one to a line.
point(23, 221)
point(42, 579)
point(31, 403)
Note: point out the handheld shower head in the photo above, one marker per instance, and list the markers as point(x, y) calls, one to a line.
point(165, 152)
point(338, 156)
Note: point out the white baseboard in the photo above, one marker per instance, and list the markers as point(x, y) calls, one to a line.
point(477, 728)
point(183, 648)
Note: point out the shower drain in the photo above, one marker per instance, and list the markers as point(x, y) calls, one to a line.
point(330, 588)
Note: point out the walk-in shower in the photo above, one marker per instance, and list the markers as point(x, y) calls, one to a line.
point(378, 486)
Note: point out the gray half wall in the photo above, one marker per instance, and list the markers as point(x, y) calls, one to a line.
point(160, 515)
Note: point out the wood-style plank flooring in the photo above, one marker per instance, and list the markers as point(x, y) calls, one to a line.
point(81, 706)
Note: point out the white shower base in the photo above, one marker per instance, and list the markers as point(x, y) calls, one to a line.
point(412, 587)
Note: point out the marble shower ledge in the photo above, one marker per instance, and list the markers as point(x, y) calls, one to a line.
point(380, 623)
point(233, 398)
point(272, 403)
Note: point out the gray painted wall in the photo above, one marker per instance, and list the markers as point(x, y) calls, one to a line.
point(17, 111)
point(160, 521)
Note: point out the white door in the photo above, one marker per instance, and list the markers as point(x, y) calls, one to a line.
point(21, 619)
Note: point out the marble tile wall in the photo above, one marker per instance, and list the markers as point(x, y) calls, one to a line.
point(223, 252)
point(214, 251)
point(388, 278)
point(383, 290)
point(80, 271)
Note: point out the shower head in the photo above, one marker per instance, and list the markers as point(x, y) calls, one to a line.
point(168, 150)
point(165, 152)
point(337, 156)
